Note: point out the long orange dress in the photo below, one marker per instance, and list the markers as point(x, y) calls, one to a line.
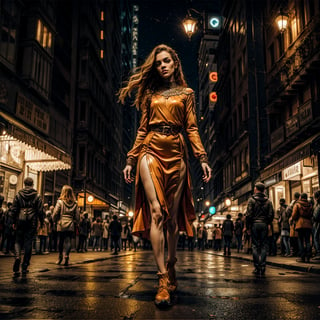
point(165, 153)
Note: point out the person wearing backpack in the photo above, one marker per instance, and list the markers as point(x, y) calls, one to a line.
point(66, 214)
point(26, 211)
point(260, 214)
point(302, 214)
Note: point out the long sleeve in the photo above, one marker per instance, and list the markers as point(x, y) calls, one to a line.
point(191, 129)
point(133, 154)
point(57, 211)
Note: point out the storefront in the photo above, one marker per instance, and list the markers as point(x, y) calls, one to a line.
point(23, 154)
point(295, 172)
point(94, 205)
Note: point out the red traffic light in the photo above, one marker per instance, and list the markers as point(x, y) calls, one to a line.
point(213, 76)
point(213, 96)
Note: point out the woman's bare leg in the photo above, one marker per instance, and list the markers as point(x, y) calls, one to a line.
point(172, 224)
point(156, 231)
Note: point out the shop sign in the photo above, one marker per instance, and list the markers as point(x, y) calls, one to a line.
point(270, 181)
point(292, 172)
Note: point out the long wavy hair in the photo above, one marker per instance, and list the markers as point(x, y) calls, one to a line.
point(146, 78)
point(67, 194)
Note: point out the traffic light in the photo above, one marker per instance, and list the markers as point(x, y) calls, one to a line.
point(212, 210)
point(213, 96)
point(213, 76)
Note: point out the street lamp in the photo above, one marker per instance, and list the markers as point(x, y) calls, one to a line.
point(189, 25)
point(227, 202)
point(282, 21)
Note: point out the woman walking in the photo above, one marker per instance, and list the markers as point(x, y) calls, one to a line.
point(163, 185)
point(66, 214)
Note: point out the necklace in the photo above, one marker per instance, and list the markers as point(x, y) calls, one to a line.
point(171, 92)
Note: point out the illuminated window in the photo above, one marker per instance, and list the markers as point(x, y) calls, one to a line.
point(102, 15)
point(101, 54)
point(44, 36)
point(101, 35)
point(39, 31)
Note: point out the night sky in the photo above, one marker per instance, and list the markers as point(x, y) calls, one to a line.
point(161, 22)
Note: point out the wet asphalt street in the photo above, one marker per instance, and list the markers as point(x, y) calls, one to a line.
point(98, 285)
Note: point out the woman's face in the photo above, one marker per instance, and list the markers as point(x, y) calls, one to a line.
point(165, 65)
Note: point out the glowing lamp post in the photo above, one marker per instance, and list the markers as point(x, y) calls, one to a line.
point(189, 25)
point(282, 21)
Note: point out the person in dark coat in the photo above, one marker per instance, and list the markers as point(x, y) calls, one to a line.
point(115, 229)
point(227, 230)
point(302, 215)
point(26, 211)
point(260, 213)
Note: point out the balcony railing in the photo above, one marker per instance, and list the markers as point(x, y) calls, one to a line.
point(305, 113)
point(292, 125)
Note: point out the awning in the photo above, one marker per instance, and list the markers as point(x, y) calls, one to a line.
point(92, 200)
point(39, 154)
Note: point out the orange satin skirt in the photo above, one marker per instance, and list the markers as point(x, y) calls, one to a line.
point(164, 157)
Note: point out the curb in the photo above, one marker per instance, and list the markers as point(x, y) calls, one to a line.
point(308, 268)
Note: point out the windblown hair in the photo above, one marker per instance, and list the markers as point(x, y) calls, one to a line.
point(147, 79)
point(67, 194)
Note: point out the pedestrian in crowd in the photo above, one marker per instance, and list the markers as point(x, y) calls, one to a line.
point(163, 194)
point(105, 235)
point(96, 232)
point(227, 231)
point(66, 214)
point(260, 213)
point(2, 211)
point(9, 232)
point(49, 213)
point(84, 230)
point(210, 238)
point(316, 225)
point(43, 233)
point(238, 231)
point(284, 227)
point(135, 241)
point(191, 238)
point(115, 229)
point(294, 239)
point(302, 214)
point(247, 239)
point(26, 211)
point(275, 232)
point(124, 236)
point(200, 237)
point(217, 238)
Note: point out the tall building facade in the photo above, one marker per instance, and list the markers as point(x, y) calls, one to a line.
point(293, 99)
point(98, 120)
point(61, 65)
point(35, 112)
point(238, 150)
point(266, 119)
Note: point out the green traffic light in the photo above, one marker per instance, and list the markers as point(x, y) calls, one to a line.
point(212, 210)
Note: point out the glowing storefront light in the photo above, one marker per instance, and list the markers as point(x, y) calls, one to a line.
point(21, 144)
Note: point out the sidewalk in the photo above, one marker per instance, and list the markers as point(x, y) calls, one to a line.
point(45, 262)
point(278, 261)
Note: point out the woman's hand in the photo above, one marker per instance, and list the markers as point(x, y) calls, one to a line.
point(127, 174)
point(206, 172)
